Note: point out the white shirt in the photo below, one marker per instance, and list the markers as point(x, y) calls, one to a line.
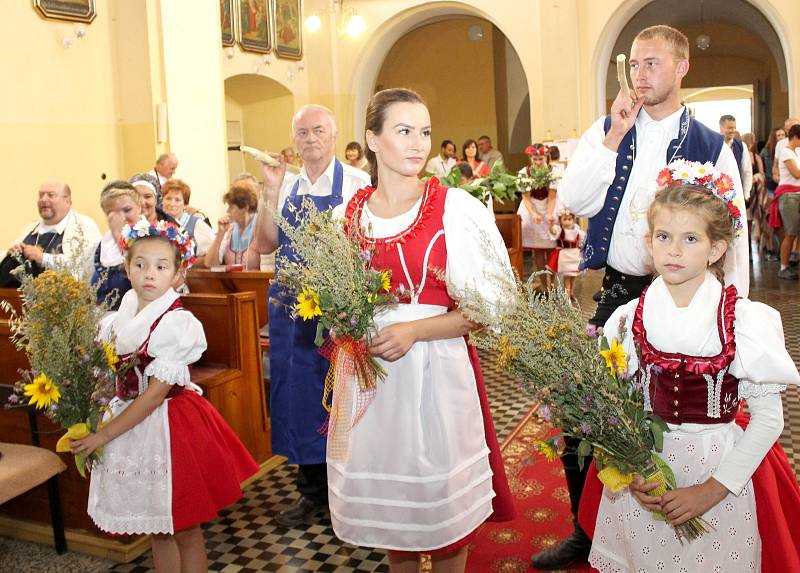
point(747, 171)
point(786, 177)
point(593, 168)
point(161, 178)
point(80, 233)
point(440, 167)
point(353, 180)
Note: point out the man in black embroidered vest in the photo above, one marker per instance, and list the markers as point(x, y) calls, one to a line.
point(611, 178)
point(59, 238)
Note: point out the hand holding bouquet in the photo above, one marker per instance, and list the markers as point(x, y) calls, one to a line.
point(585, 391)
point(72, 374)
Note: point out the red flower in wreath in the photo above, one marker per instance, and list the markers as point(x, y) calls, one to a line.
point(723, 184)
point(530, 150)
point(734, 210)
point(664, 177)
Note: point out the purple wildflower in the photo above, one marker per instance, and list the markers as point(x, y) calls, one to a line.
point(657, 369)
point(586, 428)
point(13, 399)
point(53, 408)
point(354, 321)
point(366, 256)
point(86, 358)
point(613, 421)
point(591, 331)
point(545, 413)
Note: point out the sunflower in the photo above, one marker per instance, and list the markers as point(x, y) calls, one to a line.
point(546, 449)
point(111, 356)
point(308, 304)
point(386, 281)
point(42, 391)
point(616, 358)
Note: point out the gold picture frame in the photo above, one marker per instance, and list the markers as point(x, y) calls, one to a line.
point(227, 18)
point(70, 10)
point(287, 22)
point(253, 25)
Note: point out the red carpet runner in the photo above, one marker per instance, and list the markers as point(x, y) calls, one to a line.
point(542, 503)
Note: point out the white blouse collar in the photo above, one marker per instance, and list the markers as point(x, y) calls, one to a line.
point(130, 327)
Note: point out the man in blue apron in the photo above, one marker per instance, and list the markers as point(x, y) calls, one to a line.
point(611, 179)
point(297, 370)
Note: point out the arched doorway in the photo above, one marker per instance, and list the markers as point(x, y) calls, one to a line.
point(258, 113)
point(747, 48)
point(432, 48)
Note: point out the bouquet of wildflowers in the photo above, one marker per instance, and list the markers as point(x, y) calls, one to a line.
point(72, 374)
point(331, 280)
point(499, 184)
point(534, 178)
point(586, 391)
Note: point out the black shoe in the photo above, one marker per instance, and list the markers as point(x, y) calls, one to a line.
point(597, 297)
point(573, 549)
point(300, 512)
point(788, 273)
point(793, 264)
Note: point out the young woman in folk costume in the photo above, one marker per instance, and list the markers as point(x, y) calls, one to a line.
point(702, 349)
point(423, 470)
point(537, 210)
point(170, 461)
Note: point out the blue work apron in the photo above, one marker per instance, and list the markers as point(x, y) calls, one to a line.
point(297, 370)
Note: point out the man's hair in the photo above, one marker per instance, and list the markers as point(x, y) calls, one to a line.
point(117, 189)
point(315, 107)
point(794, 131)
point(164, 157)
point(67, 191)
point(447, 142)
point(676, 41)
point(726, 117)
point(486, 137)
point(790, 121)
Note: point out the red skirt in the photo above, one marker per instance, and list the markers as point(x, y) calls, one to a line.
point(503, 508)
point(777, 508)
point(209, 462)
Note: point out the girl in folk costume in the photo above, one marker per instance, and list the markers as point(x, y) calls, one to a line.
point(170, 461)
point(565, 259)
point(702, 349)
point(423, 470)
point(537, 211)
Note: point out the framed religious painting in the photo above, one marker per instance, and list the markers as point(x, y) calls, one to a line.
point(253, 25)
point(72, 10)
point(227, 19)
point(287, 21)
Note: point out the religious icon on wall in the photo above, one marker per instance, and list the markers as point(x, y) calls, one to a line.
point(253, 25)
point(287, 19)
point(73, 10)
point(227, 19)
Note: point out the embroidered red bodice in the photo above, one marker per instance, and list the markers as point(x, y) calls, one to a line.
point(130, 383)
point(416, 252)
point(691, 389)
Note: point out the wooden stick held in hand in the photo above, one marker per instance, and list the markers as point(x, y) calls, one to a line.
point(622, 77)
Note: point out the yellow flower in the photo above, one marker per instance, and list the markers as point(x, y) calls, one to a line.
point(111, 356)
point(308, 304)
point(42, 391)
point(508, 352)
point(546, 449)
point(386, 281)
point(616, 358)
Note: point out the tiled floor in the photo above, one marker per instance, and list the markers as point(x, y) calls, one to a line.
point(245, 538)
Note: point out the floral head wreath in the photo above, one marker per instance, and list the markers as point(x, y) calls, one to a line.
point(565, 213)
point(720, 185)
point(537, 150)
point(165, 229)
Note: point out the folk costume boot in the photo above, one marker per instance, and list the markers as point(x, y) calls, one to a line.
point(302, 512)
point(573, 549)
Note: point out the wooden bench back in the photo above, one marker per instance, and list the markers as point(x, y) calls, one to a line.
point(206, 281)
point(510, 227)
